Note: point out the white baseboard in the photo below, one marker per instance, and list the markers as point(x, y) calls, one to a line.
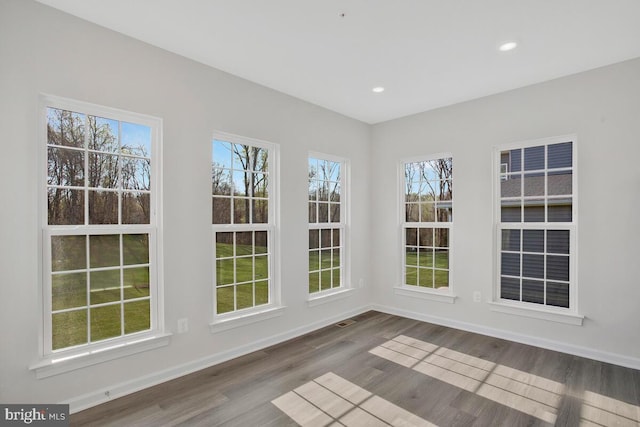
point(589, 353)
point(97, 397)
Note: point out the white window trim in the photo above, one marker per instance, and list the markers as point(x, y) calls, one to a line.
point(569, 315)
point(274, 307)
point(50, 362)
point(345, 289)
point(445, 296)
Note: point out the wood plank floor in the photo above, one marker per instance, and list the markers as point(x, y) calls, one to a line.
point(388, 370)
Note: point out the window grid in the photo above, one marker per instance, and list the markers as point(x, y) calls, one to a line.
point(326, 223)
point(428, 216)
point(242, 223)
point(99, 232)
point(537, 224)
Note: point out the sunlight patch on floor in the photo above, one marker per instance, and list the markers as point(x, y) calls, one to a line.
point(330, 400)
point(522, 391)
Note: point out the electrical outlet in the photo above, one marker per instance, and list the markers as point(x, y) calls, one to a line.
point(183, 325)
point(477, 296)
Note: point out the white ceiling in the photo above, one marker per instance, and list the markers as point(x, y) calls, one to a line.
point(426, 53)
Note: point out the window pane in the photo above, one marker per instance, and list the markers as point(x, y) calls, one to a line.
point(69, 329)
point(334, 212)
point(444, 212)
point(533, 291)
point(534, 184)
point(560, 183)
point(65, 167)
point(441, 236)
point(244, 243)
point(314, 260)
point(136, 208)
point(103, 207)
point(104, 250)
point(135, 248)
point(510, 240)
point(510, 264)
point(224, 271)
point(221, 210)
point(68, 253)
point(534, 158)
point(103, 170)
point(105, 322)
point(510, 288)
point(325, 259)
point(224, 245)
point(314, 239)
point(136, 282)
point(313, 213)
point(325, 238)
point(425, 277)
point(68, 290)
point(323, 212)
point(425, 257)
point(411, 276)
point(425, 237)
point(241, 210)
point(65, 207)
point(558, 267)
point(533, 240)
point(533, 266)
point(511, 186)
point(411, 238)
point(441, 279)
point(103, 134)
point(244, 269)
point(412, 212)
point(262, 292)
point(411, 256)
point(262, 267)
point(136, 139)
point(224, 299)
point(510, 213)
point(560, 155)
point(261, 244)
point(244, 296)
point(314, 282)
point(136, 173)
point(560, 210)
point(534, 210)
point(137, 316)
point(335, 277)
point(427, 212)
point(220, 182)
point(558, 241)
point(558, 294)
point(222, 154)
point(441, 258)
point(65, 128)
point(105, 286)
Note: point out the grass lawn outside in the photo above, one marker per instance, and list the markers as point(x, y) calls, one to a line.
point(421, 270)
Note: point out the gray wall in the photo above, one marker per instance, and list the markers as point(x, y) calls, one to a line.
point(45, 51)
point(603, 108)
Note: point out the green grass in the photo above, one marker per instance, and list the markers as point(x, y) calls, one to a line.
point(328, 262)
point(250, 266)
point(420, 269)
point(69, 290)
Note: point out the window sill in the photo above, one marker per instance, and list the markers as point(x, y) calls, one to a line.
point(60, 363)
point(565, 317)
point(422, 293)
point(329, 296)
point(236, 321)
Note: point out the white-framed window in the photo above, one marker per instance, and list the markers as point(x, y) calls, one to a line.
point(427, 220)
point(243, 179)
point(100, 215)
point(327, 223)
point(536, 219)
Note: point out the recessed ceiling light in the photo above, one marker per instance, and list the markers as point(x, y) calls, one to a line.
point(507, 46)
point(378, 89)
